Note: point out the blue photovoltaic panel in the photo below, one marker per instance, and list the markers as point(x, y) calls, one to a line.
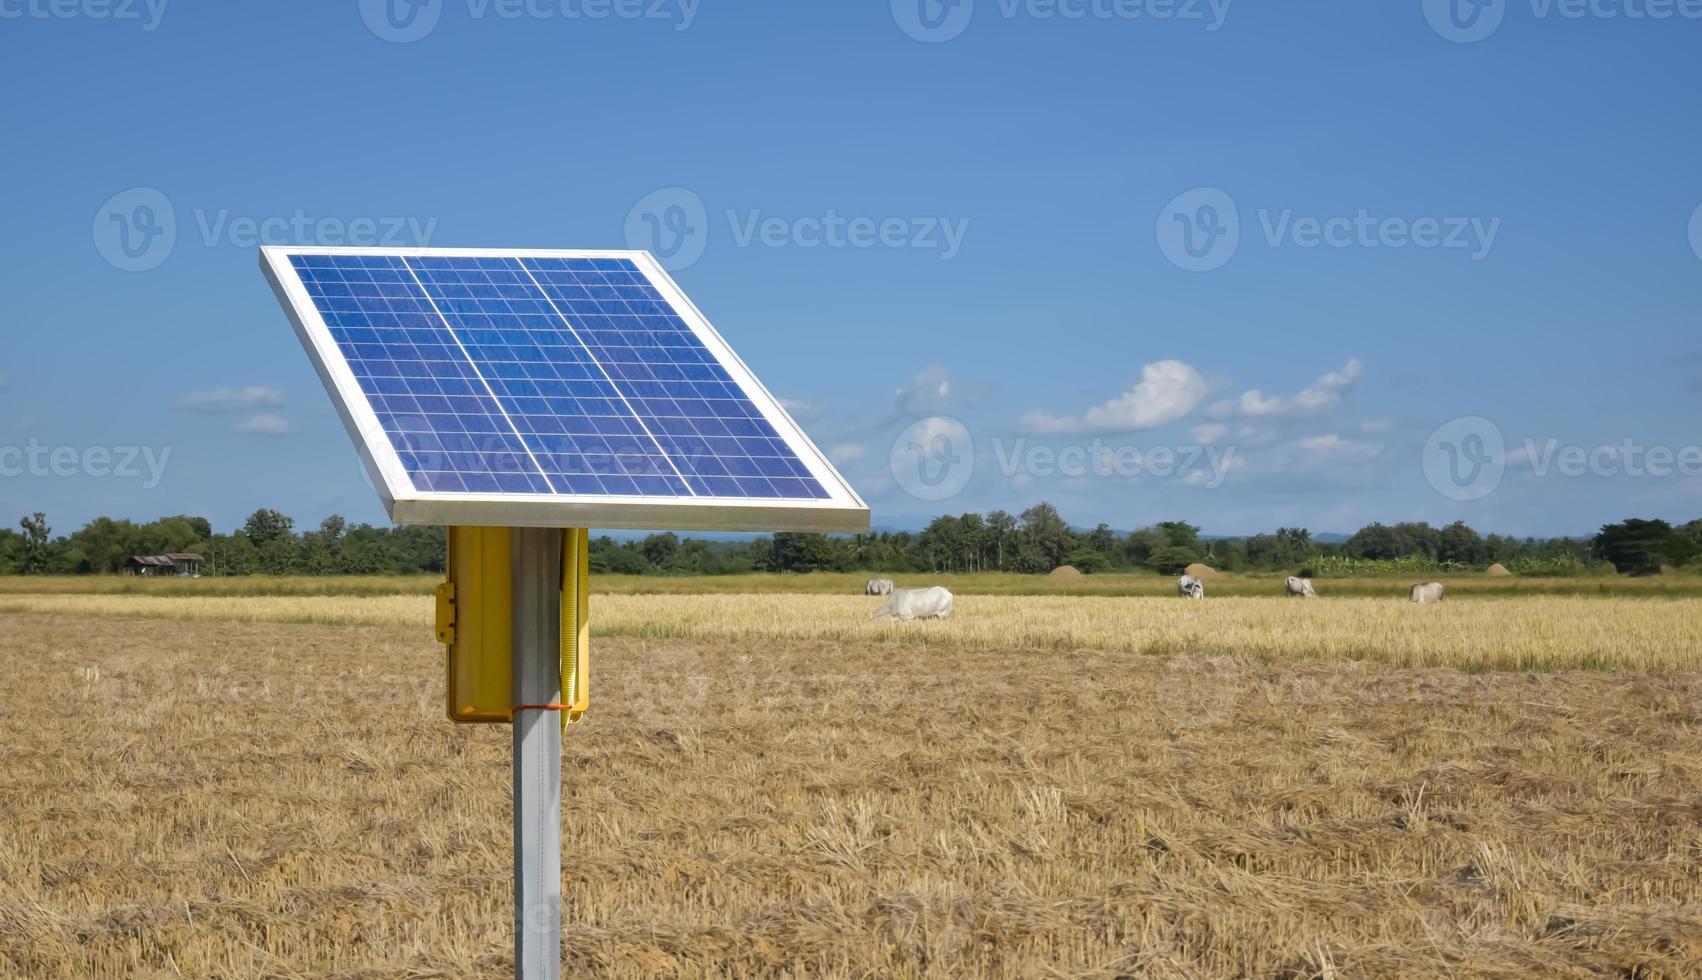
point(545, 376)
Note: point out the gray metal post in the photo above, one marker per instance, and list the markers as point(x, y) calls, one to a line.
point(537, 754)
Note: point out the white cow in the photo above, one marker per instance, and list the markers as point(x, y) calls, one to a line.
point(1189, 587)
point(1428, 593)
point(907, 604)
point(878, 586)
point(1300, 587)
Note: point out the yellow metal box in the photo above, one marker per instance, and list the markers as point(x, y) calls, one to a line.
point(475, 620)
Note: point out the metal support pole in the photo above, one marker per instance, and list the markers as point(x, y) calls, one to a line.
point(537, 754)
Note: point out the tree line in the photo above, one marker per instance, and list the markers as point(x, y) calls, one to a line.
point(1034, 541)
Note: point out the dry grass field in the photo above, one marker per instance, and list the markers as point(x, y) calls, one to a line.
point(1248, 585)
point(1534, 633)
point(204, 786)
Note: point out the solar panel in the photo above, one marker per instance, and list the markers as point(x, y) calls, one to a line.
point(549, 388)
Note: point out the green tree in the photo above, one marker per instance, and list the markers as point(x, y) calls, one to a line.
point(797, 552)
point(660, 550)
point(37, 538)
point(617, 558)
point(173, 534)
point(232, 554)
point(1459, 543)
point(266, 526)
point(105, 545)
point(1173, 560)
point(319, 555)
point(1103, 541)
point(11, 551)
point(1288, 548)
point(1639, 547)
point(420, 548)
point(1000, 528)
point(1180, 534)
point(1045, 533)
point(278, 556)
point(1088, 561)
point(1692, 534)
point(1141, 544)
point(366, 550)
point(1387, 543)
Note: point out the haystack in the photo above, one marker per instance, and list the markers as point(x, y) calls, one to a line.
point(1498, 570)
point(1202, 572)
point(1065, 573)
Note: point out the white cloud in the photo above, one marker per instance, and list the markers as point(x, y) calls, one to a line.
point(1207, 476)
point(798, 409)
point(265, 424)
point(219, 401)
point(1167, 391)
point(926, 393)
point(1322, 395)
point(846, 452)
point(1378, 425)
point(1332, 446)
point(1209, 433)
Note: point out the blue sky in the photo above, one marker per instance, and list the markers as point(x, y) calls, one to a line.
point(1307, 236)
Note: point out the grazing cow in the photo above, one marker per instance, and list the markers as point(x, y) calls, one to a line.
point(907, 604)
point(878, 586)
point(1300, 588)
point(1189, 587)
point(1428, 593)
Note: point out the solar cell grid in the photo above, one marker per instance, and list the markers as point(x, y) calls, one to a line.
point(447, 429)
point(546, 376)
